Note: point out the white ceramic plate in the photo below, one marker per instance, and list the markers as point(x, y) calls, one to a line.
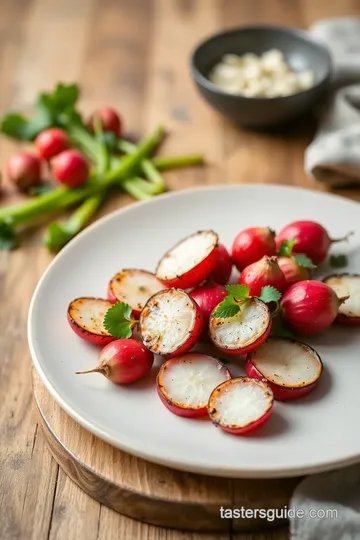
point(312, 434)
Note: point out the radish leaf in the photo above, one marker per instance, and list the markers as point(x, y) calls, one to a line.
point(278, 329)
point(287, 247)
point(303, 260)
point(338, 261)
point(118, 322)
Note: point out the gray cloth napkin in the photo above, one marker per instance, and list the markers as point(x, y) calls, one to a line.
point(333, 157)
point(331, 504)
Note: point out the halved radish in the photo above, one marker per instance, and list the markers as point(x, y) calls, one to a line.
point(134, 287)
point(190, 262)
point(292, 369)
point(170, 323)
point(240, 405)
point(86, 318)
point(347, 285)
point(185, 383)
point(243, 332)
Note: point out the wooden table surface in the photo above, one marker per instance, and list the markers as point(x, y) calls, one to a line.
point(132, 54)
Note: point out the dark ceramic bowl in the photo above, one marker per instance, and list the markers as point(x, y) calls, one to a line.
point(301, 53)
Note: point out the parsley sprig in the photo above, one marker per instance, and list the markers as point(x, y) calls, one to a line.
point(238, 295)
point(118, 321)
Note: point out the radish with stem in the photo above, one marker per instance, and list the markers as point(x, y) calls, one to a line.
point(250, 245)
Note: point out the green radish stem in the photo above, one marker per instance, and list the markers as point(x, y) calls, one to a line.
point(176, 162)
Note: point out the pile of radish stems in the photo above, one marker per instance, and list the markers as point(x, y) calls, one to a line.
point(110, 171)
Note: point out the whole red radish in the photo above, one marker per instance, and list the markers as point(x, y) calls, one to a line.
point(184, 384)
point(241, 405)
point(133, 287)
point(109, 119)
point(70, 168)
point(86, 318)
point(292, 271)
point(347, 285)
point(310, 306)
point(310, 237)
point(170, 323)
point(24, 170)
point(207, 298)
point(291, 369)
point(123, 361)
point(190, 262)
point(262, 273)
point(244, 331)
point(51, 142)
point(250, 245)
point(222, 271)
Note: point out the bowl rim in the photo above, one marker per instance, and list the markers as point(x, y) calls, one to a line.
point(303, 35)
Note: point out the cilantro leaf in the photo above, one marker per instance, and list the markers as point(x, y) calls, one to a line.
point(227, 308)
point(286, 247)
point(118, 322)
point(278, 329)
point(7, 237)
point(338, 261)
point(239, 292)
point(303, 260)
point(269, 294)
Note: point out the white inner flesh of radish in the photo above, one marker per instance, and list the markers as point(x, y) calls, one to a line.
point(189, 381)
point(89, 314)
point(242, 329)
point(187, 255)
point(240, 404)
point(344, 286)
point(287, 363)
point(135, 287)
point(169, 323)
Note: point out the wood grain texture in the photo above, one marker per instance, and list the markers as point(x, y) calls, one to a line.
point(149, 492)
point(132, 54)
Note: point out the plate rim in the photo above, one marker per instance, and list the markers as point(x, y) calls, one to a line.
point(168, 462)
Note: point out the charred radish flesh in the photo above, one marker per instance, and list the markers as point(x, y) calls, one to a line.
point(185, 383)
point(170, 323)
point(240, 405)
point(347, 285)
point(133, 287)
point(292, 369)
point(190, 262)
point(86, 318)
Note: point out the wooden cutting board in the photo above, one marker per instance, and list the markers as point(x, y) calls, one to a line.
point(152, 493)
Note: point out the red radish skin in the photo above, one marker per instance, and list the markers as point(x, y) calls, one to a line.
point(262, 273)
point(190, 262)
point(123, 361)
point(346, 285)
point(230, 405)
point(86, 315)
point(222, 271)
point(109, 119)
point(309, 307)
point(284, 364)
point(51, 142)
point(195, 376)
point(311, 238)
point(134, 287)
point(170, 323)
point(245, 331)
point(292, 271)
point(207, 298)
point(70, 168)
point(250, 245)
point(24, 170)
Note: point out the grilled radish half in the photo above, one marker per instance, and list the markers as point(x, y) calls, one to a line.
point(86, 317)
point(347, 285)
